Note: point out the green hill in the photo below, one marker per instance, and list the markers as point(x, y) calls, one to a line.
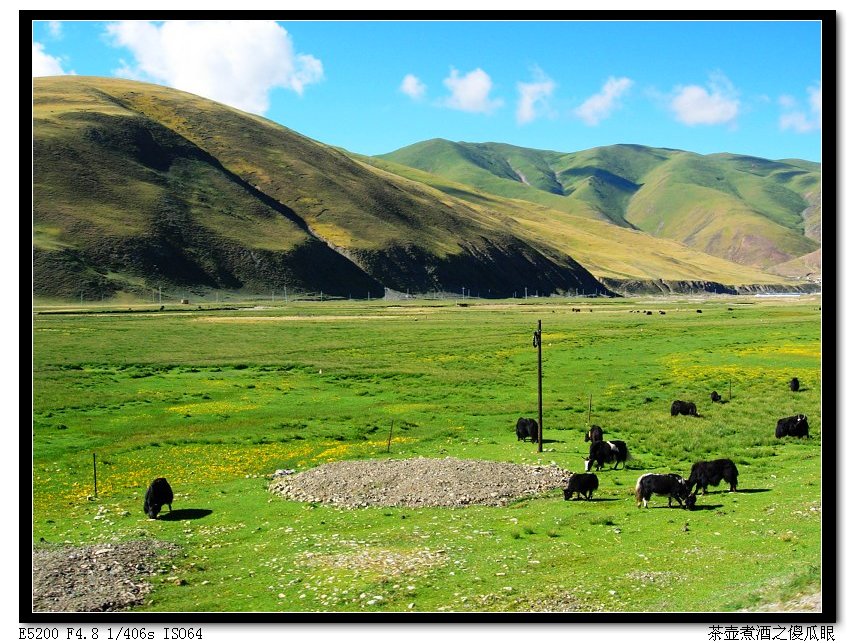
point(743, 209)
point(137, 186)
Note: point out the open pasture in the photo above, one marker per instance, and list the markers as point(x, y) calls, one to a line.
point(217, 400)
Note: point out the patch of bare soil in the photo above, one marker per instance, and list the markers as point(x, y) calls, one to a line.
point(419, 482)
point(96, 578)
point(806, 603)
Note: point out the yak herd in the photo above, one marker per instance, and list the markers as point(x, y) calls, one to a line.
point(672, 485)
point(601, 452)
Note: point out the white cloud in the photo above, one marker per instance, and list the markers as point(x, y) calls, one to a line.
point(815, 99)
point(712, 105)
point(796, 119)
point(46, 65)
point(534, 97)
point(786, 101)
point(413, 87)
point(601, 105)
point(471, 93)
point(235, 62)
point(55, 28)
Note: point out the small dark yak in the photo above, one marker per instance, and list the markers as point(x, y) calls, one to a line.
point(605, 452)
point(664, 484)
point(594, 434)
point(679, 407)
point(794, 384)
point(583, 484)
point(526, 428)
point(712, 473)
point(795, 426)
point(714, 397)
point(159, 493)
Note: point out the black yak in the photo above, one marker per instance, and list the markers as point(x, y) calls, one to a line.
point(583, 484)
point(159, 493)
point(678, 407)
point(795, 426)
point(711, 473)
point(526, 428)
point(794, 384)
point(594, 434)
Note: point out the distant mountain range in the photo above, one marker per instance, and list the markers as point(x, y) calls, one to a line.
point(138, 186)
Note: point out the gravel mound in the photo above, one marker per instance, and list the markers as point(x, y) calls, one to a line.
point(418, 482)
point(96, 578)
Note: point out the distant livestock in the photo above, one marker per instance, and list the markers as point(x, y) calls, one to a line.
point(606, 452)
point(795, 426)
point(715, 397)
point(794, 384)
point(594, 434)
point(704, 474)
point(678, 407)
point(159, 493)
point(664, 484)
point(526, 428)
point(647, 312)
point(661, 312)
point(583, 484)
point(699, 310)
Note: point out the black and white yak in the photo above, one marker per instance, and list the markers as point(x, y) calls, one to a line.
point(609, 451)
point(664, 484)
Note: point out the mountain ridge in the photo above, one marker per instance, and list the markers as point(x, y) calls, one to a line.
point(137, 185)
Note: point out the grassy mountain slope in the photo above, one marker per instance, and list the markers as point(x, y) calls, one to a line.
point(604, 249)
point(744, 209)
point(136, 183)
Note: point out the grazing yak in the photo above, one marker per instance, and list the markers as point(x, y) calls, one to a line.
point(594, 434)
point(795, 426)
point(794, 384)
point(711, 473)
point(664, 484)
point(159, 493)
point(678, 407)
point(601, 452)
point(526, 428)
point(583, 484)
point(714, 396)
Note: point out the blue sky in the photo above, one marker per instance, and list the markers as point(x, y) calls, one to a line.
point(371, 87)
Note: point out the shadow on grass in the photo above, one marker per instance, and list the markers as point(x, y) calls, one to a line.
point(697, 507)
point(186, 514)
point(750, 491)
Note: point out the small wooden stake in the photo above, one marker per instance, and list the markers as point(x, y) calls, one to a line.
point(95, 475)
point(389, 441)
point(590, 397)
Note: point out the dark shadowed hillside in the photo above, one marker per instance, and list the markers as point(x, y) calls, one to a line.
point(137, 185)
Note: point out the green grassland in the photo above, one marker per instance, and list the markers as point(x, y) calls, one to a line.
point(217, 400)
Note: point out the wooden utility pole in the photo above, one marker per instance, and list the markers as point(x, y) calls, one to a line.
point(95, 475)
point(537, 343)
point(389, 441)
